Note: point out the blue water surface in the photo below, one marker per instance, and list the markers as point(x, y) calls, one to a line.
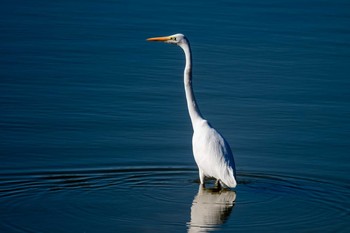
point(95, 133)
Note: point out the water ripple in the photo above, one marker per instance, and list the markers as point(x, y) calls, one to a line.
point(269, 196)
point(317, 201)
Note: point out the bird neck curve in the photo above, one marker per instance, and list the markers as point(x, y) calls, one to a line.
point(192, 106)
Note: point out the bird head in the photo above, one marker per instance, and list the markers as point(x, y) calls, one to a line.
point(177, 39)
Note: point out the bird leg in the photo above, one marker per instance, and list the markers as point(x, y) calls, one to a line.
point(201, 177)
point(218, 184)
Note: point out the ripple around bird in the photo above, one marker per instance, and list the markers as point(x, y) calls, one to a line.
point(273, 196)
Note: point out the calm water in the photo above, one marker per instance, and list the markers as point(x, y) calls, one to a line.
point(95, 135)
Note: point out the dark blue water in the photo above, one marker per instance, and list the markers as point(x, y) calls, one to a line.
point(95, 134)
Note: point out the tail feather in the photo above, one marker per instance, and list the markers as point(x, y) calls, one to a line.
point(229, 179)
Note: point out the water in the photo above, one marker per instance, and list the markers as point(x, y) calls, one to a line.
point(95, 134)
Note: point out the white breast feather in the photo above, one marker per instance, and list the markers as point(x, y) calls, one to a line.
point(213, 154)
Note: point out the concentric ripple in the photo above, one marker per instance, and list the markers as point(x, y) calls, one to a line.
point(162, 197)
point(293, 202)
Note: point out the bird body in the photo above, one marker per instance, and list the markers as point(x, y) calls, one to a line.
point(213, 154)
point(211, 151)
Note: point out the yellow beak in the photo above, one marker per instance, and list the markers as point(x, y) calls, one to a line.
point(164, 38)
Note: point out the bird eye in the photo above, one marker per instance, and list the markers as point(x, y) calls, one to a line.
point(174, 38)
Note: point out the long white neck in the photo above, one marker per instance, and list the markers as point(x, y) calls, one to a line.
point(192, 106)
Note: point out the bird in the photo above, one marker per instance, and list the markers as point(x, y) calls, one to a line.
point(211, 151)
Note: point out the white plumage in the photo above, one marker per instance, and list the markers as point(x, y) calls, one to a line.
point(213, 154)
point(211, 151)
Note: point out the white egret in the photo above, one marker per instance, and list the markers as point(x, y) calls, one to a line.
point(211, 151)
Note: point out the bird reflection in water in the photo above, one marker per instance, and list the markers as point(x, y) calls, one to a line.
point(210, 209)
